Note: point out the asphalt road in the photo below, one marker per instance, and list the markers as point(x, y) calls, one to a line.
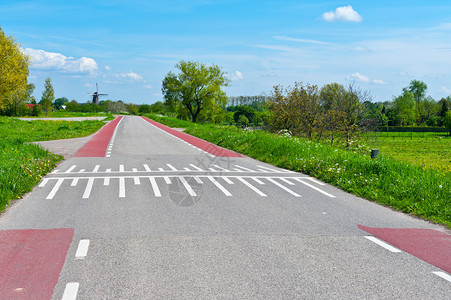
point(158, 218)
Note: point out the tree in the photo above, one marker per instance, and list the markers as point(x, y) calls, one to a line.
point(417, 88)
point(48, 95)
point(447, 121)
point(196, 87)
point(405, 108)
point(246, 111)
point(58, 103)
point(13, 72)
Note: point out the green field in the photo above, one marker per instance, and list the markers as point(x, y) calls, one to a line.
point(23, 164)
point(425, 152)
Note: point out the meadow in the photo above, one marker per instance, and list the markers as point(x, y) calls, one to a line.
point(23, 164)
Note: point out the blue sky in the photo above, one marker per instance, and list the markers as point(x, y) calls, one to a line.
point(129, 46)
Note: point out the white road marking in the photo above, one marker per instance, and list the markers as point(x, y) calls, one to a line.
point(88, 188)
point(245, 169)
point(54, 172)
point(269, 169)
point(136, 180)
point(44, 182)
point(196, 167)
point(135, 170)
point(443, 275)
point(167, 180)
point(70, 169)
point(155, 188)
point(121, 187)
point(146, 167)
point(161, 169)
point(252, 187)
point(315, 188)
point(237, 170)
point(221, 168)
point(75, 181)
point(82, 171)
point(286, 181)
point(314, 180)
point(186, 169)
point(96, 169)
point(198, 180)
point(227, 179)
point(187, 186)
point(121, 168)
point(82, 249)
point(106, 181)
point(108, 170)
point(71, 290)
point(283, 187)
point(263, 171)
point(213, 170)
point(171, 167)
point(219, 186)
point(55, 189)
point(258, 180)
point(383, 244)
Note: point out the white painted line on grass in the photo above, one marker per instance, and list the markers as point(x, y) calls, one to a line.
point(251, 187)
point(315, 188)
point(155, 188)
point(88, 188)
point(219, 186)
point(70, 169)
point(82, 249)
point(283, 187)
point(383, 244)
point(443, 275)
point(71, 290)
point(55, 188)
point(121, 187)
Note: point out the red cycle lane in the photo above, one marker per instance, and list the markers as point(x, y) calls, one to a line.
point(199, 143)
point(98, 145)
point(31, 261)
point(432, 246)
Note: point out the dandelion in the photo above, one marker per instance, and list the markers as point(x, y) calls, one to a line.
point(440, 186)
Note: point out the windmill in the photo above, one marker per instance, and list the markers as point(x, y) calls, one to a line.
point(96, 95)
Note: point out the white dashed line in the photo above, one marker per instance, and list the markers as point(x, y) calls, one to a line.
point(55, 189)
point(88, 188)
point(82, 249)
point(252, 187)
point(283, 187)
point(71, 290)
point(383, 244)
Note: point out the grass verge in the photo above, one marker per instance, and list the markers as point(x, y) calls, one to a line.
point(22, 164)
point(411, 189)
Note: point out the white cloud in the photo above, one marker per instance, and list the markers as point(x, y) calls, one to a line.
point(290, 39)
point(108, 68)
point(131, 75)
point(359, 77)
point(41, 59)
point(148, 86)
point(344, 13)
point(236, 76)
point(378, 81)
point(446, 90)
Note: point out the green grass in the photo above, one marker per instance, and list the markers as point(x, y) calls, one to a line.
point(424, 152)
point(68, 114)
point(22, 164)
point(408, 188)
